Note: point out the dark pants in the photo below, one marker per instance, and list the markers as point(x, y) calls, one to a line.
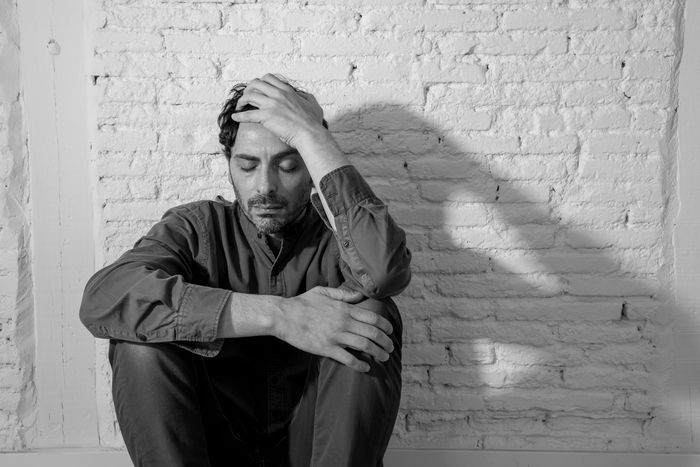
point(259, 402)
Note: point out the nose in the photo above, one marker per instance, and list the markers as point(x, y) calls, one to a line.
point(267, 182)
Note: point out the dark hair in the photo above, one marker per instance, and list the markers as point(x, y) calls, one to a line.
point(228, 128)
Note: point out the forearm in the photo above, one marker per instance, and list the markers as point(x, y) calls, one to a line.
point(322, 155)
point(249, 315)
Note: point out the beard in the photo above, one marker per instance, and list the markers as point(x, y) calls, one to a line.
point(269, 225)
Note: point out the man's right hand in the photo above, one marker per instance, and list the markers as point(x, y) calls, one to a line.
point(324, 321)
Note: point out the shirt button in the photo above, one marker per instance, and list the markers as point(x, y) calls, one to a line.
point(346, 243)
point(141, 337)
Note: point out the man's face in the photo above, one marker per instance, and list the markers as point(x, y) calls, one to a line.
point(269, 178)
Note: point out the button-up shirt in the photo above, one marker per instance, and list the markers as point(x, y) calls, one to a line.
point(173, 285)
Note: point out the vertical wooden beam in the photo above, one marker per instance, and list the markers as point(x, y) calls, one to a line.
point(56, 84)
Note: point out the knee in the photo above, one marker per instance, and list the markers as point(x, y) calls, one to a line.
point(143, 359)
point(388, 310)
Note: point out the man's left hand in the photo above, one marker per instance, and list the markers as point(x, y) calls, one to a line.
point(289, 114)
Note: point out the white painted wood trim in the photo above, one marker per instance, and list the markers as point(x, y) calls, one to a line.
point(398, 458)
point(55, 87)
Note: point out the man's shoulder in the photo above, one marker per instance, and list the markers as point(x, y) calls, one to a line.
point(203, 211)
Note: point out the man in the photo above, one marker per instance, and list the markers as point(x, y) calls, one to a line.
point(240, 333)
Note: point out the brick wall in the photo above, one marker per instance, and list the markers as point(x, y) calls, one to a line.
point(16, 329)
point(526, 147)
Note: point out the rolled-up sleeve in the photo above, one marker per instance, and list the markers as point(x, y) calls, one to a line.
point(147, 295)
point(373, 252)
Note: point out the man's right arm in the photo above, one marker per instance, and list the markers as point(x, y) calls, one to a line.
point(148, 295)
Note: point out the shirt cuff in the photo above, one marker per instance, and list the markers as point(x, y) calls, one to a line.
point(200, 312)
point(344, 188)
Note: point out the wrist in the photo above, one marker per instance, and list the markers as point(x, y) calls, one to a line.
point(275, 316)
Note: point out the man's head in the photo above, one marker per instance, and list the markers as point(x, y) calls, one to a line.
point(269, 177)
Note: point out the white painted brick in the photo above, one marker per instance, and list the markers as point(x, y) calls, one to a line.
point(162, 17)
point(612, 286)
point(304, 71)
point(354, 45)
point(549, 399)
point(653, 67)
point(621, 143)
point(425, 354)
point(440, 398)
point(429, 20)
point(554, 262)
point(619, 332)
point(515, 43)
point(125, 139)
point(581, 19)
point(623, 238)
point(476, 351)
point(556, 309)
point(116, 41)
point(608, 377)
point(454, 330)
point(544, 69)
point(437, 71)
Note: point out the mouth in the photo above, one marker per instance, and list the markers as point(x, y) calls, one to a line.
point(269, 207)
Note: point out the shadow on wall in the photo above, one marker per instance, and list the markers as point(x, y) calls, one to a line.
point(527, 328)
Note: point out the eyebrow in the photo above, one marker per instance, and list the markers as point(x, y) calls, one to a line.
point(279, 155)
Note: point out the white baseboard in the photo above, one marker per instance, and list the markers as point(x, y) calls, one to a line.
point(394, 458)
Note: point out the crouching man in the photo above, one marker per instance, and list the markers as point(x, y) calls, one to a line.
point(260, 332)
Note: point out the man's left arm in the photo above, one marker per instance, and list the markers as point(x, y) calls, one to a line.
point(372, 247)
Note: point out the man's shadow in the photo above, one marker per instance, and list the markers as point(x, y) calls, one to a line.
point(521, 326)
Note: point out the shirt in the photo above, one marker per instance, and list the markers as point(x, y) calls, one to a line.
point(173, 285)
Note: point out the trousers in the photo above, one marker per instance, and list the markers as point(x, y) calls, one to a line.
point(259, 402)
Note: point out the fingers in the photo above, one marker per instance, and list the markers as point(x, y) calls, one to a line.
point(252, 116)
point(363, 344)
point(262, 87)
point(372, 333)
point(342, 294)
point(372, 318)
point(255, 99)
point(346, 358)
point(273, 80)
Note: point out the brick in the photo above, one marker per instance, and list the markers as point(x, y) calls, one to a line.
point(436, 71)
point(160, 18)
point(527, 167)
point(466, 214)
point(623, 238)
point(476, 190)
point(580, 68)
point(354, 45)
point(476, 351)
point(554, 262)
point(612, 286)
point(527, 355)
point(635, 41)
point(440, 399)
point(455, 330)
point(653, 67)
point(516, 43)
point(549, 399)
point(318, 20)
point(142, 210)
point(451, 262)
point(608, 377)
point(124, 139)
point(619, 332)
point(429, 20)
point(302, 71)
point(425, 354)
point(117, 41)
point(494, 376)
point(568, 19)
point(621, 143)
